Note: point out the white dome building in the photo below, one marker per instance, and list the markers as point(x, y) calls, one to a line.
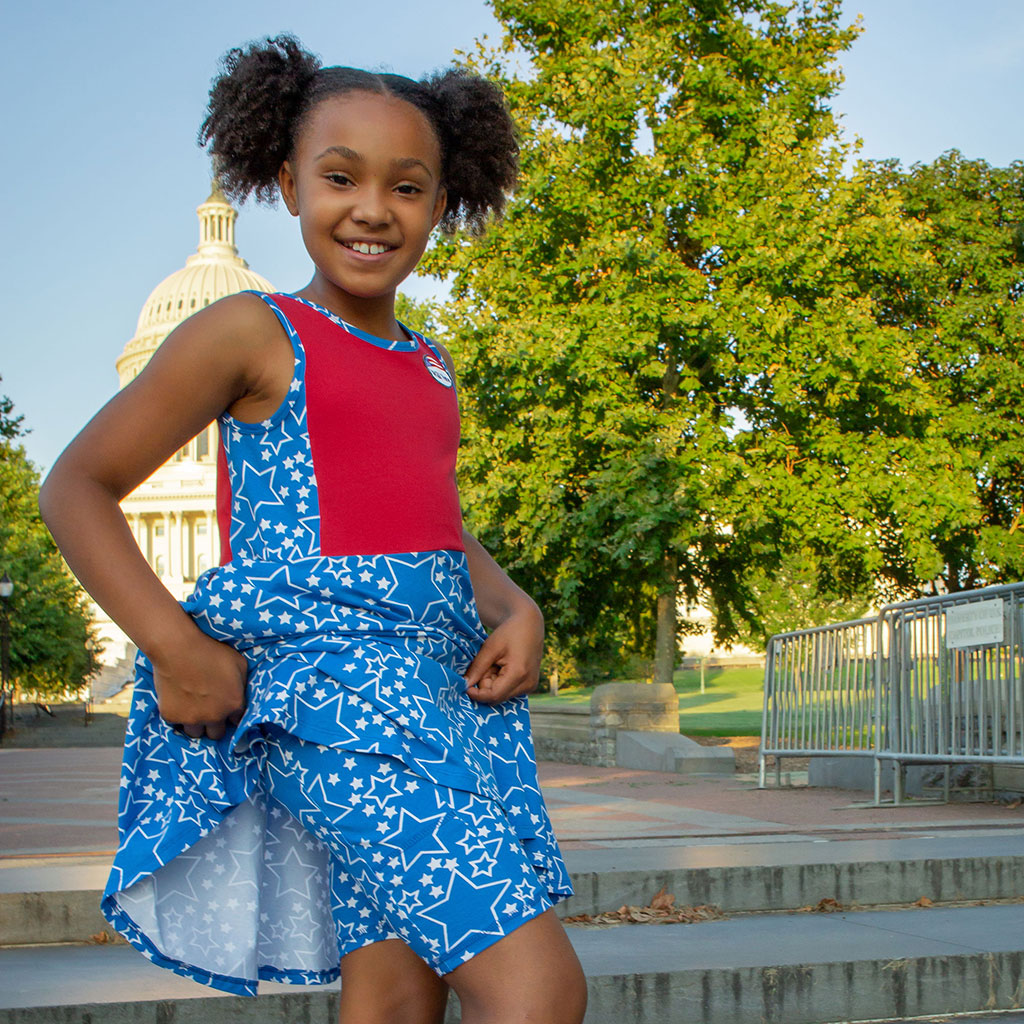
point(173, 514)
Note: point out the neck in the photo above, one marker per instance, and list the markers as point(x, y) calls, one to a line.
point(375, 315)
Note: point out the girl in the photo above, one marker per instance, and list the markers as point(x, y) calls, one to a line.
point(327, 757)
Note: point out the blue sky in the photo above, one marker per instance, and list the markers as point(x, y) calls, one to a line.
point(104, 100)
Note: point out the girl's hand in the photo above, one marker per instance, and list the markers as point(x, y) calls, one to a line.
point(508, 663)
point(201, 686)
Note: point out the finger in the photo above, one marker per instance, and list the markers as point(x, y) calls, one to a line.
point(486, 660)
point(497, 687)
point(236, 716)
point(194, 731)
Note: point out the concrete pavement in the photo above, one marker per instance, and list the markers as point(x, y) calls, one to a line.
point(64, 801)
point(759, 855)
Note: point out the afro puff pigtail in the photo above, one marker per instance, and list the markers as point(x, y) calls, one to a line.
point(254, 106)
point(481, 150)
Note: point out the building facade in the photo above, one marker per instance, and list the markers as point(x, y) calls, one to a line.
point(173, 513)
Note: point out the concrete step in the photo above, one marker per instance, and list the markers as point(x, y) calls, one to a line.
point(57, 899)
point(779, 969)
point(788, 875)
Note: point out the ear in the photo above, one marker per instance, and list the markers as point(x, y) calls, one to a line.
point(439, 204)
point(289, 193)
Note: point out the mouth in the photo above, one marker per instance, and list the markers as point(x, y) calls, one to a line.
point(369, 248)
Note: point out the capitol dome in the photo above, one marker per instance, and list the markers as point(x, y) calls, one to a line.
point(173, 514)
point(214, 270)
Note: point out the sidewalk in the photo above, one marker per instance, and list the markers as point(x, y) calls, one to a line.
point(64, 801)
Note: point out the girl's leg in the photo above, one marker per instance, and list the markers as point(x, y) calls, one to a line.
point(532, 974)
point(387, 983)
point(439, 868)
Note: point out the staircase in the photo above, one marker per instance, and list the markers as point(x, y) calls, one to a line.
point(821, 930)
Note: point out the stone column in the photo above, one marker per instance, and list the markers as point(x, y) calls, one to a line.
point(168, 570)
point(142, 536)
point(183, 544)
point(212, 538)
point(188, 546)
point(176, 564)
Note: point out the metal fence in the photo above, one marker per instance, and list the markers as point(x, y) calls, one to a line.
point(819, 693)
point(938, 680)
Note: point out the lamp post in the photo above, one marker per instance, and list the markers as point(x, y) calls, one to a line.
point(6, 589)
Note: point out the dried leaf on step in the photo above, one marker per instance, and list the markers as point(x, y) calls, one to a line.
point(828, 905)
point(924, 902)
point(661, 910)
point(663, 900)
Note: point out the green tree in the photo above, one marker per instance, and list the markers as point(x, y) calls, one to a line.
point(420, 315)
point(674, 364)
point(52, 648)
point(789, 596)
point(962, 306)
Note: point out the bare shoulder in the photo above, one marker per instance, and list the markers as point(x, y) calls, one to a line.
point(229, 326)
point(230, 355)
point(235, 345)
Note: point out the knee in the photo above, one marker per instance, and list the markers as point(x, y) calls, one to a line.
point(558, 999)
point(402, 1001)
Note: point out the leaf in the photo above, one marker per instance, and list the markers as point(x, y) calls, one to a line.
point(661, 910)
point(828, 905)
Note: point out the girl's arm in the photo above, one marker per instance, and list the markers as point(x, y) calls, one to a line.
point(508, 663)
point(231, 354)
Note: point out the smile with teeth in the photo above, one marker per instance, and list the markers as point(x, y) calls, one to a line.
point(368, 248)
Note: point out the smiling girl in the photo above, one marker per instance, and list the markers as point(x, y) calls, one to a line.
point(328, 757)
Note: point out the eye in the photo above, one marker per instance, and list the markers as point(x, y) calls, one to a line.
point(338, 178)
point(408, 190)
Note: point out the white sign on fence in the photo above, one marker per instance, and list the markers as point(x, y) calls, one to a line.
point(970, 625)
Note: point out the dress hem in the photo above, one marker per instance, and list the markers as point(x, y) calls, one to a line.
point(123, 922)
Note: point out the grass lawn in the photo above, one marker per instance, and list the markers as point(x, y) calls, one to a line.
point(730, 705)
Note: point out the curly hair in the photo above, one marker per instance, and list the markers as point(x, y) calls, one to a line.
point(266, 91)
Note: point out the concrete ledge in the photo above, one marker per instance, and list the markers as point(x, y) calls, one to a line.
point(782, 887)
point(74, 916)
point(628, 725)
point(565, 734)
point(811, 993)
point(63, 916)
point(857, 772)
point(779, 969)
point(644, 706)
point(786, 994)
point(801, 994)
point(670, 752)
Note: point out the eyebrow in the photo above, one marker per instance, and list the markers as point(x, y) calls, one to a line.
point(351, 154)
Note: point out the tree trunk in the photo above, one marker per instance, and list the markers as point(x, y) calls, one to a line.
point(665, 639)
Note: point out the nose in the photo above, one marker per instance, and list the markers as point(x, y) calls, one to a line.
point(371, 207)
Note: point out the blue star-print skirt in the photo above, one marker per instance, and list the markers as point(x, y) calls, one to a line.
point(223, 878)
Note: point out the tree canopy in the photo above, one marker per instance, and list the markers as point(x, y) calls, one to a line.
point(698, 348)
point(51, 643)
point(961, 307)
point(678, 351)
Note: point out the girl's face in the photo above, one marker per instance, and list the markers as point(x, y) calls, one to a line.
point(365, 182)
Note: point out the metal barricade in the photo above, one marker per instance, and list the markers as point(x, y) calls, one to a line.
point(952, 677)
point(937, 680)
point(820, 693)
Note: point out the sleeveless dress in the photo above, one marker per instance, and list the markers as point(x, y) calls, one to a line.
point(344, 583)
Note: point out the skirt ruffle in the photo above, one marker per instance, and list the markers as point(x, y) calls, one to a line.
point(362, 653)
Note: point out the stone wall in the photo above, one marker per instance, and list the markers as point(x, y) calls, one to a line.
point(629, 725)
